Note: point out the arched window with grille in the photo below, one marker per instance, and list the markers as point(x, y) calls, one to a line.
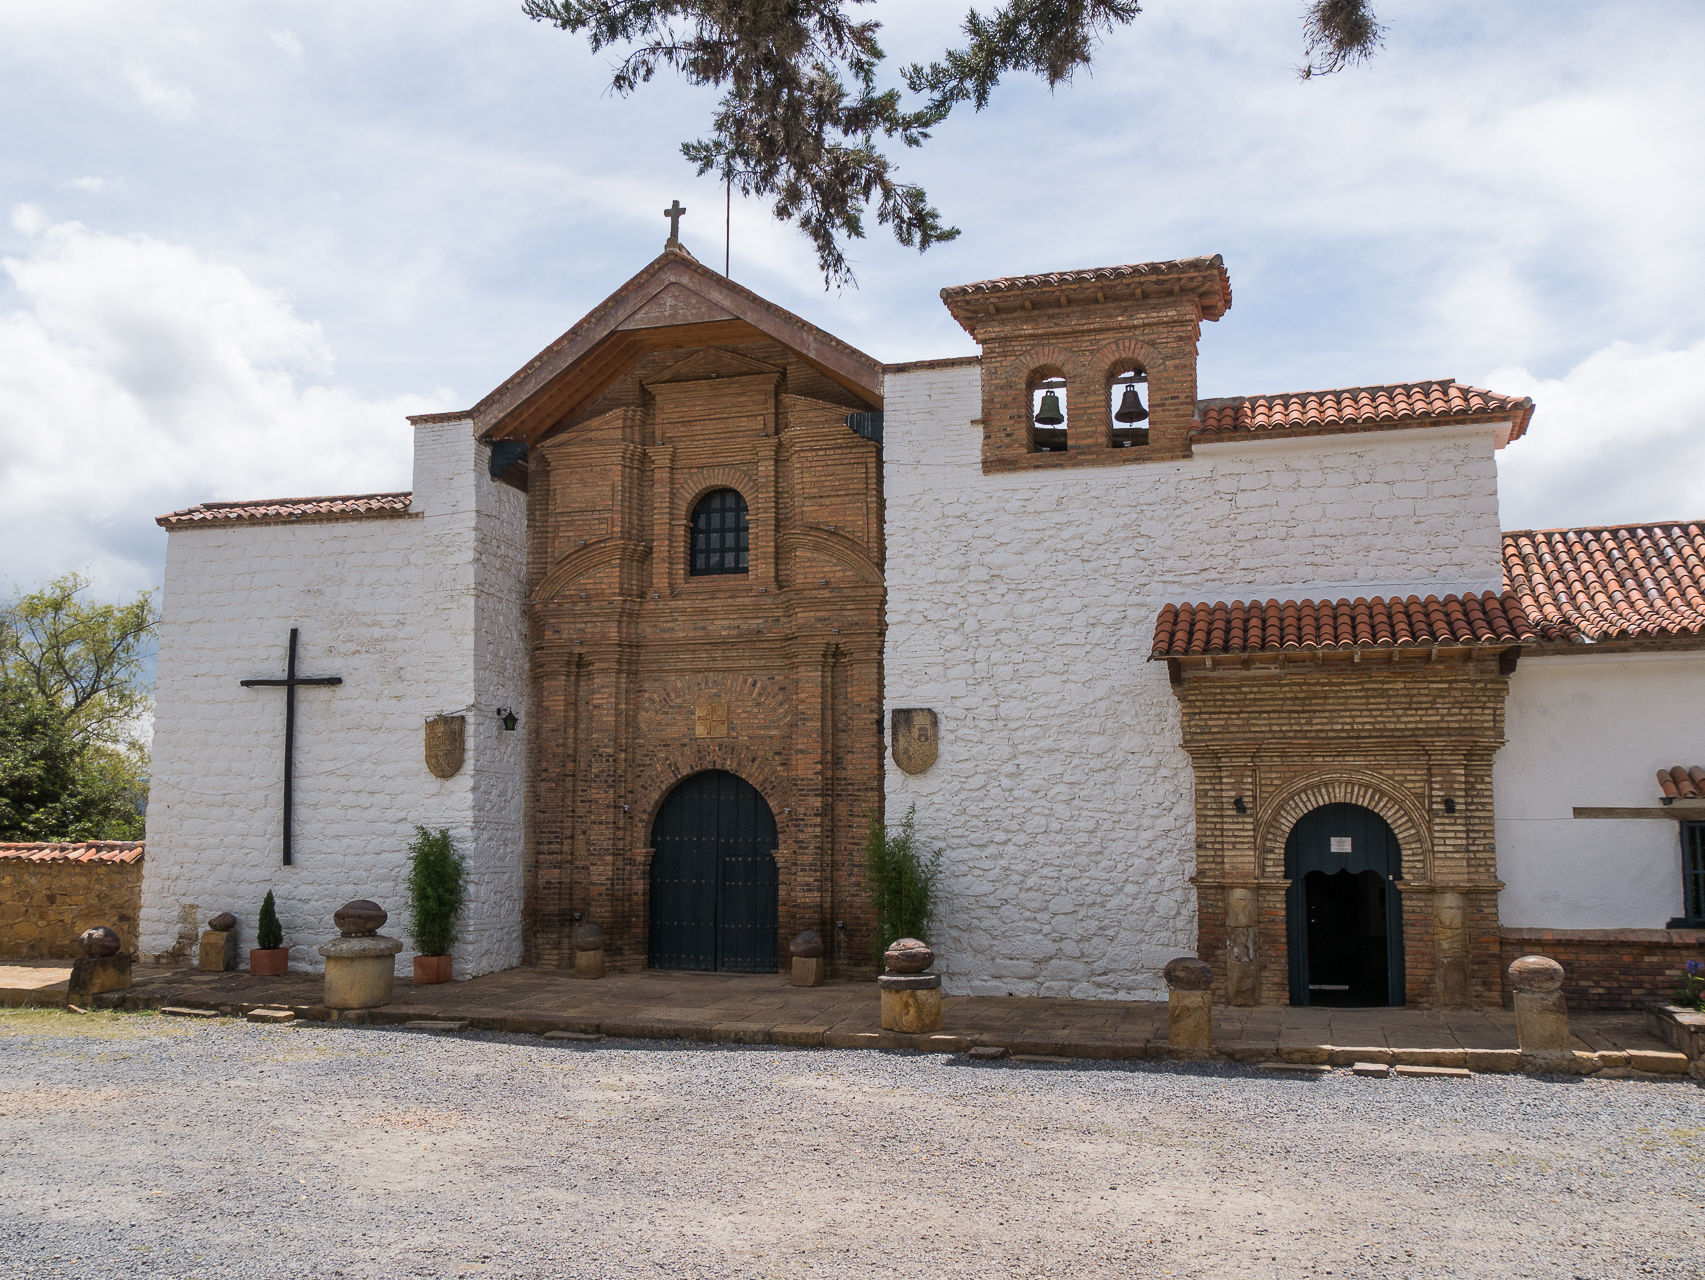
point(720, 543)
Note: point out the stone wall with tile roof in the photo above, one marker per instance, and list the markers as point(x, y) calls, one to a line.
point(414, 599)
point(51, 892)
point(1440, 400)
point(1021, 606)
point(349, 506)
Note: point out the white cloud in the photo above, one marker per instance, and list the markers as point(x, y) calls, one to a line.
point(1618, 439)
point(89, 184)
point(286, 42)
point(140, 377)
point(29, 219)
point(168, 101)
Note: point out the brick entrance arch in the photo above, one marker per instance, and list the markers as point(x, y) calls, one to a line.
point(1357, 787)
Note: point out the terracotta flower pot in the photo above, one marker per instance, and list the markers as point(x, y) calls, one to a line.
point(268, 962)
point(431, 969)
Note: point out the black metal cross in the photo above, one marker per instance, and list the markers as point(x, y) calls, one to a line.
point(673, 213)
point(289, 683)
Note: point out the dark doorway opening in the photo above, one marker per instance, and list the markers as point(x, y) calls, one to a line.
point(1345, 930)
point(713, 877)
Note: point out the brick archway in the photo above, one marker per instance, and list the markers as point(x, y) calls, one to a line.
point(1370, 791)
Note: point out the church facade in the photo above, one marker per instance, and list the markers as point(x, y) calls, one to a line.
point(1255, 678)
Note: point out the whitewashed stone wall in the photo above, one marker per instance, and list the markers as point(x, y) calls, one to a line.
point(420, 615)
point(1021, 608)
point(1592, 730)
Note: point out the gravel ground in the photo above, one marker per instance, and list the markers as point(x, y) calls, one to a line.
point(135, 1145)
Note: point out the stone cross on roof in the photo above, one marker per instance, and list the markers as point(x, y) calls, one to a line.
point(673, 213)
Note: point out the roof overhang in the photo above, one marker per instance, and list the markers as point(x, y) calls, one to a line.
point(674, 304)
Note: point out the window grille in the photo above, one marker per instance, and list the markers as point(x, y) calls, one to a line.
point(720, 542)
point(1693, 871)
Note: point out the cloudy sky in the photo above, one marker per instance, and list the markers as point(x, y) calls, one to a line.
point(239, 242)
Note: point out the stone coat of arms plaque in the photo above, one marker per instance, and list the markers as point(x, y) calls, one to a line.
point(446, 739)
point(913, 734)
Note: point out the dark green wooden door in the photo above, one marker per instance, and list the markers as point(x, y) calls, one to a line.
point(1345, 913)
point(713, 877)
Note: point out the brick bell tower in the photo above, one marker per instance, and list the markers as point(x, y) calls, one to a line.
point(1084, 337)
point(705, 595)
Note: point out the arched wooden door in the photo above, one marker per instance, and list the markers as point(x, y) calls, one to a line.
point(713, 877)
point(1345, 913)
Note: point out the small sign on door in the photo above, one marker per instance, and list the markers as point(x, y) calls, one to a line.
point(1340, 844)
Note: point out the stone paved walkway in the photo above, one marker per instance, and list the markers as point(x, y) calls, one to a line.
point(763, 1009)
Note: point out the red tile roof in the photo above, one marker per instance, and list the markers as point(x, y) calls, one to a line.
point(76, 851)
point(1205, 279)
point(1619, 582)
point(1192, 630)
point(349, 506)
point(1087, 275)
point(1614, 582)
point(1359, 409)
point(1682, 783)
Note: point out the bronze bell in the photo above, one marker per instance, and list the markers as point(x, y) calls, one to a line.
point(1050, 416)
point(1130, 406)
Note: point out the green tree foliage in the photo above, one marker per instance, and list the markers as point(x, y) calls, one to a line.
point(268, 932)
point(53, 787)
point(903, 868)
point(85, 659)
point(435, 889)
point(802, 120)
point(71, 693)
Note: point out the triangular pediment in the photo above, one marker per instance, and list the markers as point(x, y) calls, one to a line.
point(713, 362)
point(675, 304)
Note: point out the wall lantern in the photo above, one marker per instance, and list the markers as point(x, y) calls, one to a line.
point(1238, 804)
point(508, 717)
point(1450, 804)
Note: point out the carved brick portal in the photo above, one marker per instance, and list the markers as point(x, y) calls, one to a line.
point(1272, 739)
point(645, 674)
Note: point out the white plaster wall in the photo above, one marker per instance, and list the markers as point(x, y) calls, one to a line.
point(1593, 730)
point(1021, 607)
point(400, 608)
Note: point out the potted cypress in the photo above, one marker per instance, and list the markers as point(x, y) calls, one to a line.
point(434, 897)
point(270, 956)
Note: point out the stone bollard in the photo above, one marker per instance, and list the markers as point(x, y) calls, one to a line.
point(808, 963)
point(1189, 1003)
point(1542, 1015)
point(360, 968)
point(588, 943)
point(219, 944)
point(911, 998)
point(101, 968)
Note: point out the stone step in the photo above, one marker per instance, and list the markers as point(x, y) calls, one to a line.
point(177, 1011)
point(271, 1015)
point(429, 1025)
point(583, 1037)
point(1431, 1073)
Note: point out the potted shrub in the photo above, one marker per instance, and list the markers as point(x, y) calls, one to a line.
point(434, 897)
point(270, 956)
point(903, 869)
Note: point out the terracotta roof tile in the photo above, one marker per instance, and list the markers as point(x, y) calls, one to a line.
point(1279, 626)
point(1089, 275)
point(349, 506)
point(1358, 409)
point(1615, 582)
point(76, 851)
point(1682, 783)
